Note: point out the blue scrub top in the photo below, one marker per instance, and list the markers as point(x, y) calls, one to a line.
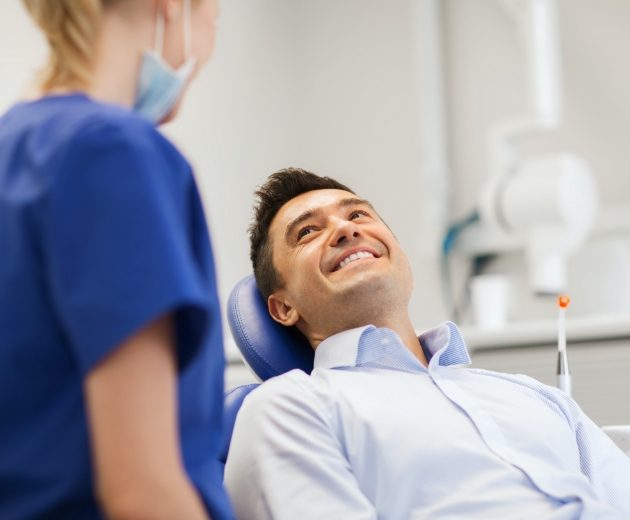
point(101, 231)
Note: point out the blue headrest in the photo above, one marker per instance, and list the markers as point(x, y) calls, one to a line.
point(232, 401)
point(269, 348)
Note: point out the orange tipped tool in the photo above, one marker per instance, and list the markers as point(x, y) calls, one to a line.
point(563, 374)
point(563, 301)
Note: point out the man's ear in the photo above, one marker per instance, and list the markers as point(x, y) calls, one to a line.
point(281, 310)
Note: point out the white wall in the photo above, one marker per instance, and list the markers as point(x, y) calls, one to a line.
point(21, 51)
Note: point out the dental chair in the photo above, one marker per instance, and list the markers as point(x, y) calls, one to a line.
point(269, 348)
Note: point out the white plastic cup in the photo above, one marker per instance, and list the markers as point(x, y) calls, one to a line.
point(489, 296)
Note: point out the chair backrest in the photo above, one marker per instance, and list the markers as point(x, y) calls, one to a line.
point(269, 348)
point(232, 401)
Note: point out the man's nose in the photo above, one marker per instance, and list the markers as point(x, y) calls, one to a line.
point(344, 231)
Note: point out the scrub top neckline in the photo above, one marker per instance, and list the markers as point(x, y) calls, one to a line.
point(56, 97)
point(75, 95)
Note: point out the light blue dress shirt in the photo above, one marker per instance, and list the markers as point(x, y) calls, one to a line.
point(372, 433)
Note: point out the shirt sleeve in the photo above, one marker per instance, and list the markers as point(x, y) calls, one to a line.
point(604, 463)
point(285, 461)
point(117, 243)
point(601, 460)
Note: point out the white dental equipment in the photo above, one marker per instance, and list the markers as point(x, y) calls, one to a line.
point(546, 204)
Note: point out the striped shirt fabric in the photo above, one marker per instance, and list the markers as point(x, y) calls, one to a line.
point(372, 433)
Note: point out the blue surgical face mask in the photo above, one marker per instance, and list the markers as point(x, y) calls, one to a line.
point(159, 85)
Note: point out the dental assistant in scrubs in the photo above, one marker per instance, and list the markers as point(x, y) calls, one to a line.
point(111, 357)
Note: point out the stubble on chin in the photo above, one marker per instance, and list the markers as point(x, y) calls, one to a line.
point(365, 302)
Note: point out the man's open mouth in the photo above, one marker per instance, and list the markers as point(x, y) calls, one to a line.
point(353, 257)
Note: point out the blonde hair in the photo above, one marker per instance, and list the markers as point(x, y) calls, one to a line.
point(71, 29)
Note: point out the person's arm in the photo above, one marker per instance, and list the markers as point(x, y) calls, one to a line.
point(132, 407)
point(286, 462)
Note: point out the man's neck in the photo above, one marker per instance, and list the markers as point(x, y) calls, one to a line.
point(406, 332)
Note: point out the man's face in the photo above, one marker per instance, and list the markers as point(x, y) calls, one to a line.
point(338, 261)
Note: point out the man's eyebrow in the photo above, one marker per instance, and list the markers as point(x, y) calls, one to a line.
point(298, 220)
point(354, 201)
point(343, 203)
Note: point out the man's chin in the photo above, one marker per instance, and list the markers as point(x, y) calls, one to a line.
point(358, 283)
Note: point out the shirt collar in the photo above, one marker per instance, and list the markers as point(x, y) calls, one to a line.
point(442, 345)
point(340, 350)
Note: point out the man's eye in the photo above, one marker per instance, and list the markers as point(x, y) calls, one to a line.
point(358, 213)
point(304, 231)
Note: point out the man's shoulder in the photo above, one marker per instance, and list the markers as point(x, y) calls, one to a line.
point(295, 384)
point(294, 394)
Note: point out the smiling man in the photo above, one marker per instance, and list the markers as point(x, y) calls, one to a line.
point(390, 425)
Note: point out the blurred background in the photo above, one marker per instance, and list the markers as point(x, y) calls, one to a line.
point(438, 111)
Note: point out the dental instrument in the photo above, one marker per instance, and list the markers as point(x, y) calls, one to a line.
point(563, 376)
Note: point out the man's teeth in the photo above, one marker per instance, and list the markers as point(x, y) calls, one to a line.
point(353, 257)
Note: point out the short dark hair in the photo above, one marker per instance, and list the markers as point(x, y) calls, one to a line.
point(279, 188)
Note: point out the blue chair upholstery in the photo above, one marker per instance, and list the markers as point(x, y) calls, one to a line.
point(267, 347)
point(233, 400)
